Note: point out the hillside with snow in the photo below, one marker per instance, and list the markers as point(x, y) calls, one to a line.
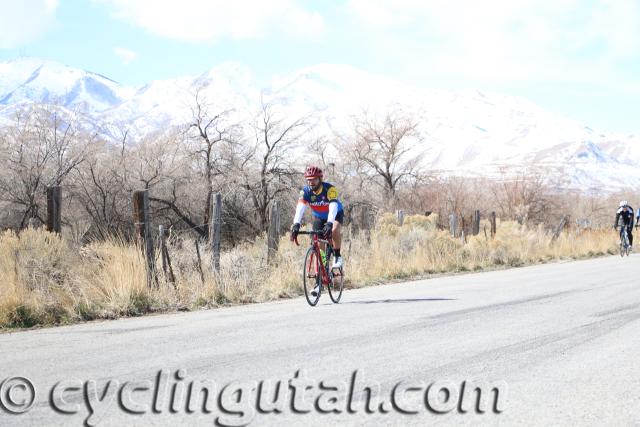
point(471, 133)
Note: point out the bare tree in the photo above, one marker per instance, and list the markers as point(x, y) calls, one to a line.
point(264, 166)
point(184, 184)
point(41, 149)
point(208, 130)
point(387, 148)
point(100, 186)
point(524, 195)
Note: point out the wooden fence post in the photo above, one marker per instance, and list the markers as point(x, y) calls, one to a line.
point(349, 239)
point(364, 221)
point(453, 224)
point(162, 244)
point(164, 254)
point(348, 220)
point(199, 261)
point(492, 219)
point(143, 231)
point(476, 223)
point(215, 231)
point(273, 235)
point(400, 216)
point(559, 228)
point(54, 196)
point(139, 215)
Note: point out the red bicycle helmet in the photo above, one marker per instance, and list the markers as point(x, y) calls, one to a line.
point(313, 172)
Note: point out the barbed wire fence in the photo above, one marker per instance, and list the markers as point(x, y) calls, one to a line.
point(174, 250)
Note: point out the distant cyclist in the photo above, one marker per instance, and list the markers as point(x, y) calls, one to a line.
point(327, 210)
point(625, 213)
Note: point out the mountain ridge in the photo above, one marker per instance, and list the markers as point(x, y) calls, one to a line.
point(466, 132)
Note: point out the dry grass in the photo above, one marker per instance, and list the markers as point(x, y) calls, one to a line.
point(46, 280)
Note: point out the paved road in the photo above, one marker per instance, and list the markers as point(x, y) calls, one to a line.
point(560, 342)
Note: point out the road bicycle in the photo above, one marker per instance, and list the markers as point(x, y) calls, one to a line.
point(316, 270)
point(624, 241)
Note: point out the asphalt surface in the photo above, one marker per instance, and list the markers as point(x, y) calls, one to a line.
point(560, 343)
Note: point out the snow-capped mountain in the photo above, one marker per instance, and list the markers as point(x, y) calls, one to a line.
point(50, 82)
point(472, 133)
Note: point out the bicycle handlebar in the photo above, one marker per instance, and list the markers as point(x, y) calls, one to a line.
point(311, 233)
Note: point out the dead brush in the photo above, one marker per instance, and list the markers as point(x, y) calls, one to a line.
point(47, 280)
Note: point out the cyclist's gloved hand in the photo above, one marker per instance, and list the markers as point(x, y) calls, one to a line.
point(295, 229)
point(327, 230)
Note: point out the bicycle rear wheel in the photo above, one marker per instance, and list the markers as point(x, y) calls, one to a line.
point(311, 276)
point(625, 241)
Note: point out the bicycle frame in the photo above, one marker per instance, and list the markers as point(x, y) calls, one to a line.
point(315, 242)
point(623, 229)
point(624, 236)
point(625, 243)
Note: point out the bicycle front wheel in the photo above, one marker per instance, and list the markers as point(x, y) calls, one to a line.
point(624, 243)
point(311, 276)
point(336, 285)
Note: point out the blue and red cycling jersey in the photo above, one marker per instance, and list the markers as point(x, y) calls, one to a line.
point(319, 202)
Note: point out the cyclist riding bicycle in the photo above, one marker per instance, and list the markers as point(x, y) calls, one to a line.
point(327, 210)
point(625, 212)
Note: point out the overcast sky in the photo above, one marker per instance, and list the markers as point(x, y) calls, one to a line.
point(578, 58)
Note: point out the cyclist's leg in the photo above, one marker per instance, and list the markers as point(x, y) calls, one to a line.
point(630, 233)
point(318, 224)
point(337, 230)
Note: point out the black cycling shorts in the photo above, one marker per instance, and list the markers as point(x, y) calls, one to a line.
point(319, 223)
